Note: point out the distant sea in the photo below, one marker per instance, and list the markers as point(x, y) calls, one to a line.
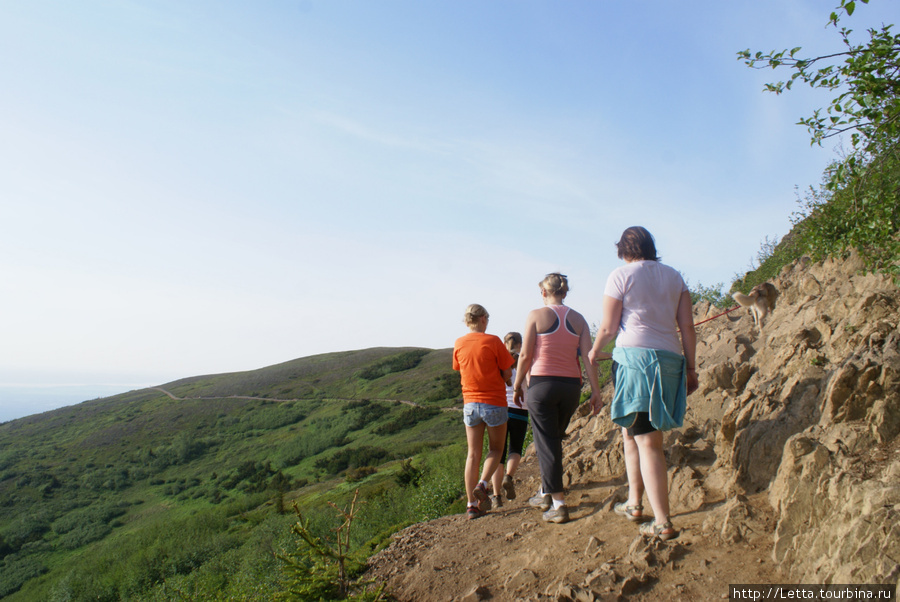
point(18, 401)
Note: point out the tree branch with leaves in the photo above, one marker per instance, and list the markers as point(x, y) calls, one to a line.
point(866, 77)
point(857, 206)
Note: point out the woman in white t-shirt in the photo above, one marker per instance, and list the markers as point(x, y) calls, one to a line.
point(645, 304)
point(516, 429)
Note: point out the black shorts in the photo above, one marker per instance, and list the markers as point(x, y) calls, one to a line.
point(641, 424)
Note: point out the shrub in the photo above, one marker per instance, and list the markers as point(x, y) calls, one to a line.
point(364, 455)
point(441, 485)
point(715, 295)
point(408, 418)
point(354, 475)
point(318, 569)
point(770, 264)
point(16, 570)
point(862, 215)
point(409, 475)
point(273, 417)
point(395, 363)
point(366, 412)
point(446, 386)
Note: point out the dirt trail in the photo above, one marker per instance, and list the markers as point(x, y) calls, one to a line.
point(511, 554)
point(176, 398)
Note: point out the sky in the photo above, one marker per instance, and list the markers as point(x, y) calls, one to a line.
point(193, 187)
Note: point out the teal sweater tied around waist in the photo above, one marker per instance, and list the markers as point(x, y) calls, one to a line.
point(649, 380)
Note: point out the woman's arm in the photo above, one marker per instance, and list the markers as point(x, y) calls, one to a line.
point(584, 346)
point(685, 319)
point(609, 328)
point(526, 357)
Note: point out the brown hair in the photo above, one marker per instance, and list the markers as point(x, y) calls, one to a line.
point(555, 284)
point(512, 337)
point(636, 244)
point(474, 313)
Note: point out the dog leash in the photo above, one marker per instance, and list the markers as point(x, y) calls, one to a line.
point(717, 316)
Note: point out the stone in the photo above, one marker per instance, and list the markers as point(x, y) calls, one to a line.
point(523, 577)
point(476, 594)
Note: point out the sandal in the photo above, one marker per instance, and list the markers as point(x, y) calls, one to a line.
point(664, 531)
point(632, 513)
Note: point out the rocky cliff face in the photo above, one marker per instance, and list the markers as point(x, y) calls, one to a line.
point(807, 410)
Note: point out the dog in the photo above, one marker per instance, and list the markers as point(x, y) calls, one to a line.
point(761, 301)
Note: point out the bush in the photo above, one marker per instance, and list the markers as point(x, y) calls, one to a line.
point(407, 419)
point(16, 570)
point(715, 295)
point(446, 386)
point(99, 514)
point(863, 215)
point(441, 485)
point(367, 412)
point(395, 363)
point(770, 264)
point(364, 455)
point(409, 475)
point(84, 534)
point(128, 567)
point(319, 569)
point(273, 417)
point(354, 475)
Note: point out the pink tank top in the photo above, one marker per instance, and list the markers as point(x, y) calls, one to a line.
point(556, 351)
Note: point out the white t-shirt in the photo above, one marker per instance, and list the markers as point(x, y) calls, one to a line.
point(511, 393)
point(650, 293)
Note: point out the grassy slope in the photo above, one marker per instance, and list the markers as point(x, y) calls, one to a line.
point(77, 484)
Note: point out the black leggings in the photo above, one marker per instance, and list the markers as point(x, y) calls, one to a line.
point(552, 400)
point(516, 428)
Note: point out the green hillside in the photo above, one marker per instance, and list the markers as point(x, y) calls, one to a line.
point(183, 488)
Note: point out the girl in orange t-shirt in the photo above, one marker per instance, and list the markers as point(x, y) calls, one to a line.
point(484, 366)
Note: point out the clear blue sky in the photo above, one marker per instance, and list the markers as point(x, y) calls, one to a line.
point(202, 187)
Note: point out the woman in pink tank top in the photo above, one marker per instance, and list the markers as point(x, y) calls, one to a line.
point(555, 345)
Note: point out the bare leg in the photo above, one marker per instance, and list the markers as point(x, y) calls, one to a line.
point(633, 469)
point(496, 439)
point(654, 475)
point(512, 464)
point(475, 439)
point(497, 479)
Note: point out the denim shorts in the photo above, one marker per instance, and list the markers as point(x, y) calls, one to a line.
point(475, 413)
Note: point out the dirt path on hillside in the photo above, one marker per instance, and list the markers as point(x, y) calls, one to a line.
point(403, 401)
point(511, 554)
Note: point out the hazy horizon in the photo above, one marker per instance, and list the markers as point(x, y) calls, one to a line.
point(21, 400)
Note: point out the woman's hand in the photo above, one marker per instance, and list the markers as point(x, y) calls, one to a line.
point(519, 396)
point(596, 356)
point(596, 403)
point(693, 381)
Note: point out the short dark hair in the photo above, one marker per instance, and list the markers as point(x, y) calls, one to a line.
point(636, 244)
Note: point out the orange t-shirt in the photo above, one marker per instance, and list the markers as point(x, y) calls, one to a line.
point(480, 358)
